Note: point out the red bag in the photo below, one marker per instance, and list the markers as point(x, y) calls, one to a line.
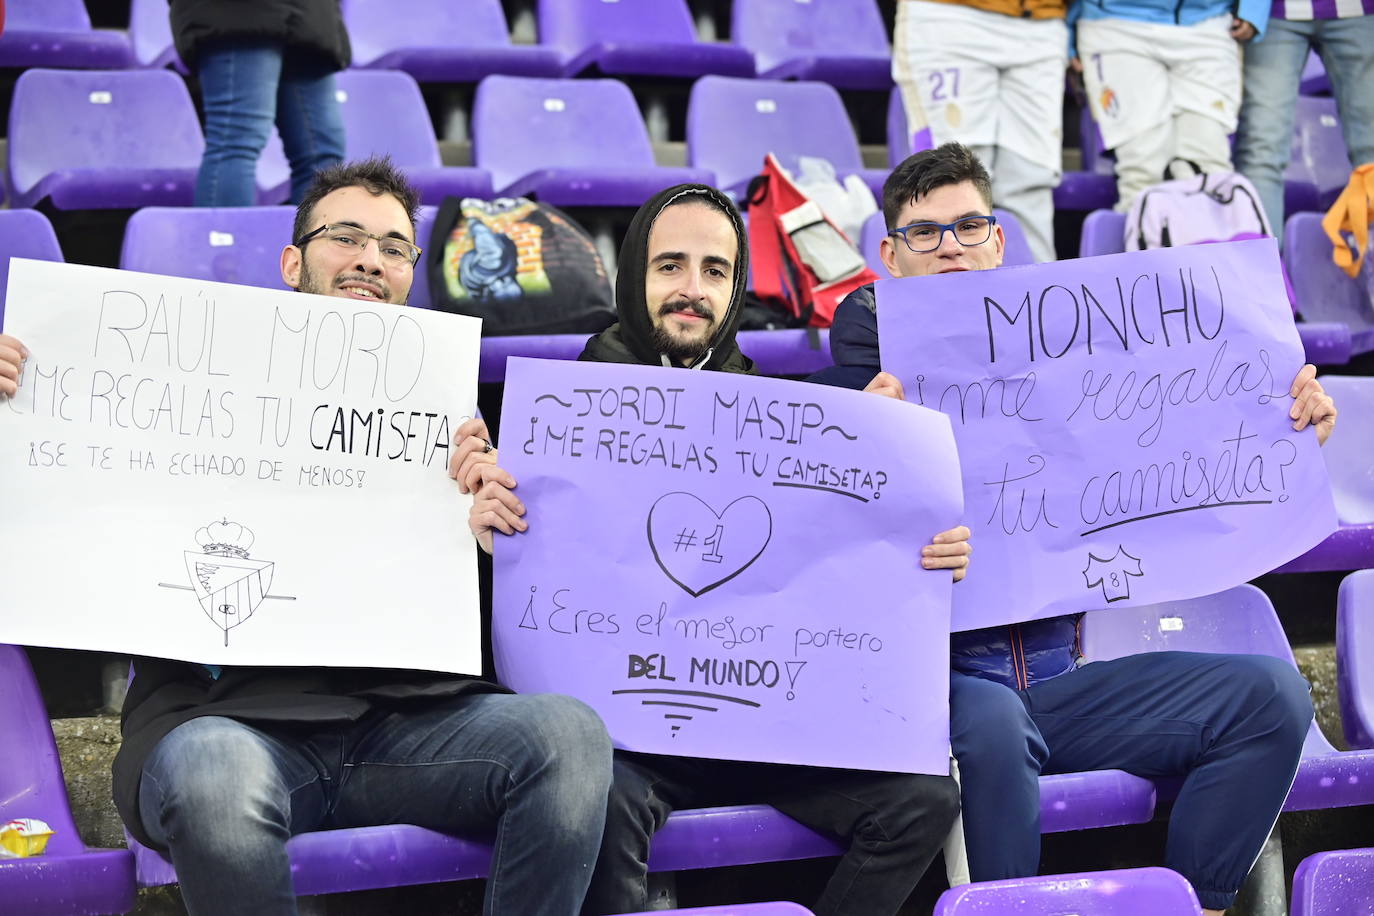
point(801, 260)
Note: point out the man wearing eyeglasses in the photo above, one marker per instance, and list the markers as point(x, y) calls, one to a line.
point(220, 766)
point(1230, 726)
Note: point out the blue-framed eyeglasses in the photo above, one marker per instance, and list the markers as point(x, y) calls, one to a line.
point(971, 231)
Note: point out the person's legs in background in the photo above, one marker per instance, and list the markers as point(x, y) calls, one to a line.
point(1264, 136)
point(1347, 51)
point(1205, 92)
point(309, 119)
point(238, 82)
point(1030, 132)
point(1128, 91)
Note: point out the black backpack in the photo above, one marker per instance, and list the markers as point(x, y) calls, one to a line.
point(522, 267)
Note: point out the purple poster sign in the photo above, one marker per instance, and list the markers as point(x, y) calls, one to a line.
point(729, 566)
point(1122, 422)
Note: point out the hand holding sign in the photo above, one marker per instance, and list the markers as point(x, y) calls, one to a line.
point(1311, 404)
point(12, 356)
point(472, 448)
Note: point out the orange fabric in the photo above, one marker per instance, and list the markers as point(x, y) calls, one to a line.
point(1352, 213)
point(1029, 9)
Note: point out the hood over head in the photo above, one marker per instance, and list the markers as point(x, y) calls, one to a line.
point(629, 340)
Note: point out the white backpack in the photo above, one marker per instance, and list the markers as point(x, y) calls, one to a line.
point(1212, 207)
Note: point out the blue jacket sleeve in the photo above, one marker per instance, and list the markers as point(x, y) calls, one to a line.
point(1255, 12)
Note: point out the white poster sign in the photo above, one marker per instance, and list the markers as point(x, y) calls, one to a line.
point(233, 475)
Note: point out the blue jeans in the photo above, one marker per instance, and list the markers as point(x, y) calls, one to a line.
point(895, 824)
point(1232, 726)
point(246, 86)
point(224, 796)
point(1273, 69)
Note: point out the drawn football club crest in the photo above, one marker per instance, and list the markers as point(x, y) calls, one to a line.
point(227, 582)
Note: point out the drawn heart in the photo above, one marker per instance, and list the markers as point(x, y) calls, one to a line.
point(700, 548)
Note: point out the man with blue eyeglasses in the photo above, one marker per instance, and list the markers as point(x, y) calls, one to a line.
point(1230, 726)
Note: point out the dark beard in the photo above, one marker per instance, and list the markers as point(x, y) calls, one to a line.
point(678, 351)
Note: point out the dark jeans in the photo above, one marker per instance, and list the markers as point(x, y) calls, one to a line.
point(247, 86)
point(895, 823)
point(224, 797)
point(1231, 726)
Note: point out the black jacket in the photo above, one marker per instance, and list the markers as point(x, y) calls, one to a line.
point(312, 26)
point(629, 340)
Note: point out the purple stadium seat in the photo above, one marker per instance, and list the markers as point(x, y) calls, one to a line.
point(783, 352)
point(1352, 481)
point(68, 878)
point(150, 33)
point(383, 112)
point(24, 234)
point(1094, 187)
point(419, 286)
point(638, 39)
point(840, 42)
point(364, 858)
point(569, 143)
point(1104, 232)
point(434, 43)
point(1238, 620)
point(1096, 158)
point(1337, 883)
point(107, 139)
point(1015, 254)
point(1123, 892)
point(1347, 452)
point(1355, 657)
point(58, 33)
point(739, 909)
point(732, 124)
point(1324, 292)
point(1318, 164)
point(900, 142)
point(1314, 79)
point(229, 245)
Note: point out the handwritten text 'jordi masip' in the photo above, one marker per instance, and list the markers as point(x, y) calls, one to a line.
point(788, 442)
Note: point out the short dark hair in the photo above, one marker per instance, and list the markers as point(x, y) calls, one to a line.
point(918, 175)
point(377, 174)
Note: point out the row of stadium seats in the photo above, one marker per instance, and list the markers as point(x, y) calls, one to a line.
point(130, 138)
point(125, 139)
point(843, 42)
point(70, 878)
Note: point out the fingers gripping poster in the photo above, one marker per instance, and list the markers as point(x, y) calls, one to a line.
point(728, 566)
point(233, 475)
point(1123, 423)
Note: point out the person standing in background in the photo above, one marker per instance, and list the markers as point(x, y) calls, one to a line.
point(262, 62)
point(1342, 32)
point(990, 74)
point(1163, 82)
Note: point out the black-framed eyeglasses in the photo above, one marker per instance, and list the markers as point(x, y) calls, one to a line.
point(971, 231)
point(396, 251)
